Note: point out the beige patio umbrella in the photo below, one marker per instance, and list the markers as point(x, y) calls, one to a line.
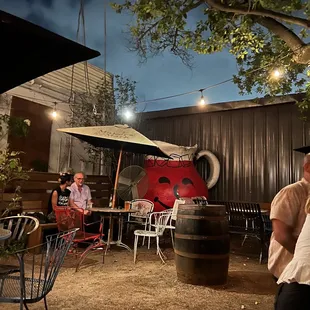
point(118, 137)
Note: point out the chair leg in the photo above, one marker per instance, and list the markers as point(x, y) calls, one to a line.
point(262, 247)
point(246, 228)
point(172, 237)
point(149, 241)
point(159, 252)
point(135, 248)
point(25, 305)
point(144, 236)
point(87, 251)
point(45, 303)
point(243, 241)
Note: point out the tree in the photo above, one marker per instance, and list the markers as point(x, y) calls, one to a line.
point(101, 109)
point(263, 35)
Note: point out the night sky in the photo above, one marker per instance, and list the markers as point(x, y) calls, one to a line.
point(161, 76)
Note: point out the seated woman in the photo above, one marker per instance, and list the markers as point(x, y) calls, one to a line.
point(294, 290)
point(60, 195)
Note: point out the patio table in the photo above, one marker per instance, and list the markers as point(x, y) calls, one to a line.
point(118, 213)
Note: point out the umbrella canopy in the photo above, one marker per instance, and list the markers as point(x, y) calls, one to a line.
point(118, 137)
point(304, 149)
point(29, 51)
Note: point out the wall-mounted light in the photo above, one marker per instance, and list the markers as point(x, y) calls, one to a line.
point(54, 113)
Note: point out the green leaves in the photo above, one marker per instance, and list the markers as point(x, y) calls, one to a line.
point(15, 126)
point(102, 109)
point(161, 25)
point(11, 170)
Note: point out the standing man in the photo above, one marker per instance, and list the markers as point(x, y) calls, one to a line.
point(80, 196)
point(288, 216)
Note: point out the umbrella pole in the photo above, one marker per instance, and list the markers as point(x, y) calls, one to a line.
point(116, 178)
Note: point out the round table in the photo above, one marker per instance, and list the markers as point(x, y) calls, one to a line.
point(113, 212)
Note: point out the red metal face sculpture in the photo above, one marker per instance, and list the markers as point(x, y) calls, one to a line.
point(173, 178)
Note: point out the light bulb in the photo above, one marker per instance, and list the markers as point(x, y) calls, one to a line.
point(202, 101)
point(276, 73)
point(54, 114)
point(128, 114)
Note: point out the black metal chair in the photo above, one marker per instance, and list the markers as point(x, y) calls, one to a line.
point(20, 227)
point(245, 218)
point(37, 273)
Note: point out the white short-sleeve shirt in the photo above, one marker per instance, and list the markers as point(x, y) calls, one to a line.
point(80, 198)
point(288, 206)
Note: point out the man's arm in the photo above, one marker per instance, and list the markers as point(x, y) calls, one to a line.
point(74, 206)
point(284, 235)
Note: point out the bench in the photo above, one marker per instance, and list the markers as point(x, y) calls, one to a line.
point(246, 218)
point(36, 191)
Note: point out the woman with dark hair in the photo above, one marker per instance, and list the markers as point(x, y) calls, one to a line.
point(60, 195)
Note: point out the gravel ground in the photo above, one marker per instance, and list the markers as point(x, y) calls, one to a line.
point(119, 284)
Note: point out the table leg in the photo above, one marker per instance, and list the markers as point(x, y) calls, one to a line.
point(110, 233)
point(110, 240)
point(120, 234)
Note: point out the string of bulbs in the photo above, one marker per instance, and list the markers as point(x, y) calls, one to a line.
point(276, 73)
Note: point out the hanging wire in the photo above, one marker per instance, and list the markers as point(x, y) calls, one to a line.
point(217, 84)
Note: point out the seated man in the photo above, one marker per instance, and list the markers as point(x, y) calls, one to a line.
point(80, 199)
point(80, 196)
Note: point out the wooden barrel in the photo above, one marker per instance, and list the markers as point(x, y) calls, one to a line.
point(202, 244)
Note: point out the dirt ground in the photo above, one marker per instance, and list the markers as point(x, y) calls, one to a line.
point(119, 284)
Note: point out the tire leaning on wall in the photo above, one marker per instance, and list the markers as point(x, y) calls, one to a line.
point(214, 167)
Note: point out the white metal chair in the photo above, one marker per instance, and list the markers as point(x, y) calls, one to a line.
point(161, 220)
point(173, 218)
point(144, 207)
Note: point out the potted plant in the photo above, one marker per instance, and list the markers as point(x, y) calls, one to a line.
point(10, 170)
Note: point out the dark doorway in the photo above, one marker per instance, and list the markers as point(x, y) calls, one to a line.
point(36, 145)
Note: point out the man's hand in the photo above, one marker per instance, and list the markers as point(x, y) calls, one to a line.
point(87, 212)
point(284, 235)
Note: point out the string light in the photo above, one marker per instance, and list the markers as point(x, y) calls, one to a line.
point(277, 73)
point(128, 114)
point(202, 99)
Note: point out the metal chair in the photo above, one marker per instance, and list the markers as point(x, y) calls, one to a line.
point(145, 208)
point(161, 220)
point(68, 218)
point(37, 273)
point(21, 227)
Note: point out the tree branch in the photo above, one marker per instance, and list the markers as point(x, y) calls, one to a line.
point(259, 12)
point(284, 33)
point(147, 30)
point(300, 50)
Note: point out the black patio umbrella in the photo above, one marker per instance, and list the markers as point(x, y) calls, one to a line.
point(304, 149)
point(29, 51)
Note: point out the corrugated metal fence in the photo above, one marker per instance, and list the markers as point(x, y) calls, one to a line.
point(254, 146)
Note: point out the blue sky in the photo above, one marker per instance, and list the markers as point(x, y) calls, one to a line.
point(161, 76)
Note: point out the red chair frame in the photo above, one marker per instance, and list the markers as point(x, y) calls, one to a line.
point(68, 218)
